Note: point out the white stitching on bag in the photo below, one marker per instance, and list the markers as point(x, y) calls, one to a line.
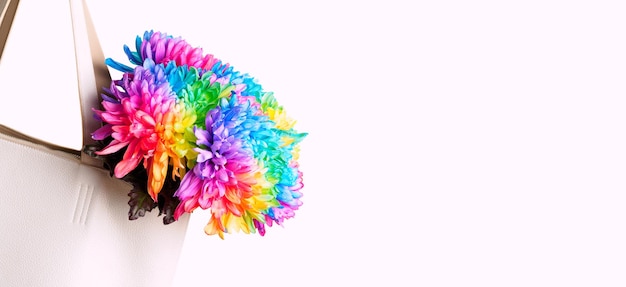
point(85, 193)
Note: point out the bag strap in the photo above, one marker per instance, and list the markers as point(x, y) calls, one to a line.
point(7, 12)
point(92, 72)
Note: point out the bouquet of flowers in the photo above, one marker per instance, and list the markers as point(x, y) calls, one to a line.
point(188, 131)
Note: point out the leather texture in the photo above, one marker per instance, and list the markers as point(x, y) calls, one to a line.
point(65, 223)
point(64, 219)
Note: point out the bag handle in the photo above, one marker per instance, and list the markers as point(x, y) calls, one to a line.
point(79, 48)
point(92, 72)
point(7, 12)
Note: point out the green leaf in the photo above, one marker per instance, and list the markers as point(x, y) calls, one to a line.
point(167, 201)
point(140, 202)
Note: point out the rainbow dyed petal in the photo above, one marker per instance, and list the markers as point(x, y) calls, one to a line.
point(208, 135)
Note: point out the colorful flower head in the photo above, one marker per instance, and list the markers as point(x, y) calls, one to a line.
point(188, 124)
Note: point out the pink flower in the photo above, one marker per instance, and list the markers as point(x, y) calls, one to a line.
point(135, 118)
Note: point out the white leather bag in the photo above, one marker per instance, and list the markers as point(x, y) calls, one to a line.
point(63, 218)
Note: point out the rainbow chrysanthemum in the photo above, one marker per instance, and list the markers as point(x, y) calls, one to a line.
point(189, 131)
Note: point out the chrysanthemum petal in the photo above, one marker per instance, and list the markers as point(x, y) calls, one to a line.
point(220, 140)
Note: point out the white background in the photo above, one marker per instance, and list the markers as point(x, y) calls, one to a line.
point(451, 143)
